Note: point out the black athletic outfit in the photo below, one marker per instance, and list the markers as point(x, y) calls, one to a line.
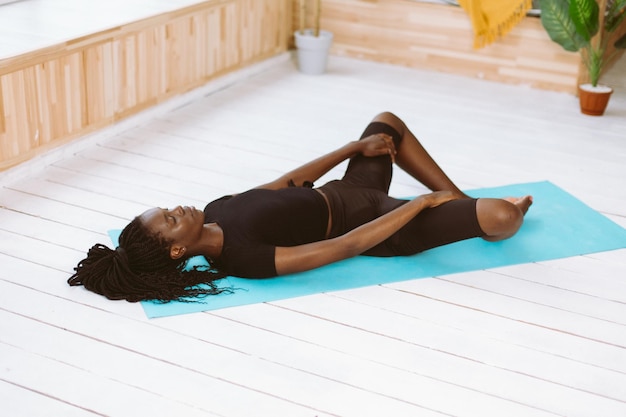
point(257, 221)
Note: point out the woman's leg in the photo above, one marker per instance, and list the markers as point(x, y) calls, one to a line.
point(465, 218)
point(498, 218)
point(372, 172)
point(501, 218)
point(415, 160)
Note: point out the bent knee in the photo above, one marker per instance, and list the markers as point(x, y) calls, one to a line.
point(392, 120)
point(499, 219)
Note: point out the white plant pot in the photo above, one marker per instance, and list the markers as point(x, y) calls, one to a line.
point(312, 51)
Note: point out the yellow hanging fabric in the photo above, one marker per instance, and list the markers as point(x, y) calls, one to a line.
point(492, 19)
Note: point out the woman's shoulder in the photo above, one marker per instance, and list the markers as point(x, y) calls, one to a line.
point(212, 209)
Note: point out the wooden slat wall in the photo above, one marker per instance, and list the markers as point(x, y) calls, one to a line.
point(439, 37)
point(50, 96)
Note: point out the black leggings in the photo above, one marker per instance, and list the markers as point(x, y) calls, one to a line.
point(361, 196)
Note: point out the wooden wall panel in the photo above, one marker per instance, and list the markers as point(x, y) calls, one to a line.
point(439, 37)
point(40, 103)
point(50, 96)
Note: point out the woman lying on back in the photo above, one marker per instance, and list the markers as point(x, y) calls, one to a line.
point(287, 226)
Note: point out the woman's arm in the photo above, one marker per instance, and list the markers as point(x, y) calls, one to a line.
point(374, 145)
point(304, 257)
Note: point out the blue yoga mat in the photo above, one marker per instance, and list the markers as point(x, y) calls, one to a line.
point(558, 225)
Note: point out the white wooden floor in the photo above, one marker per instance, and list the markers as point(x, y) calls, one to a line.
point(540, 339)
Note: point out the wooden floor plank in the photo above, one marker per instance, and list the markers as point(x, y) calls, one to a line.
point(190, 353)
point(424, 301)
point(393, 382)
point(604, 286)
point(542, 294)
point(39, 228)
point(35, 250)
point(82, 198)
point(57, 211)
point(514, 308)
point(464, 342)
point(426, 360)
point(82, 388)
point(22, 402)
point(165, 184)
point(136, 370)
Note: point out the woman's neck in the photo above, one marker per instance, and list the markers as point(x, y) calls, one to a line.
point(212, 241)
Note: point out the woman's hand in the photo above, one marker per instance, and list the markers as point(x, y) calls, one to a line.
point(378, 144)
point(437, 198)
point(374, 145)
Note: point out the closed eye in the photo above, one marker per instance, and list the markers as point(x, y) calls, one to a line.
point(169, 219)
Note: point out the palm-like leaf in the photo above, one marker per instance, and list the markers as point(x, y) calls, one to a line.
point(556, 20)
point(584, 15)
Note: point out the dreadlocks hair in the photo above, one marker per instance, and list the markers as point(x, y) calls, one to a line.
point(141, 269)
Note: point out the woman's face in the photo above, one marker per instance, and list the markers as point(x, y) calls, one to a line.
point(182, 226)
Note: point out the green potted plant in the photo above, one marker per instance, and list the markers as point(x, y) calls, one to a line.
point(312, 44)
point(587, 26)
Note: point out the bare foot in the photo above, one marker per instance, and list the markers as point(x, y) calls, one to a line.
point(522, 202)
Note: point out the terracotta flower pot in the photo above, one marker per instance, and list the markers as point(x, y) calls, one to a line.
point(593, 100)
